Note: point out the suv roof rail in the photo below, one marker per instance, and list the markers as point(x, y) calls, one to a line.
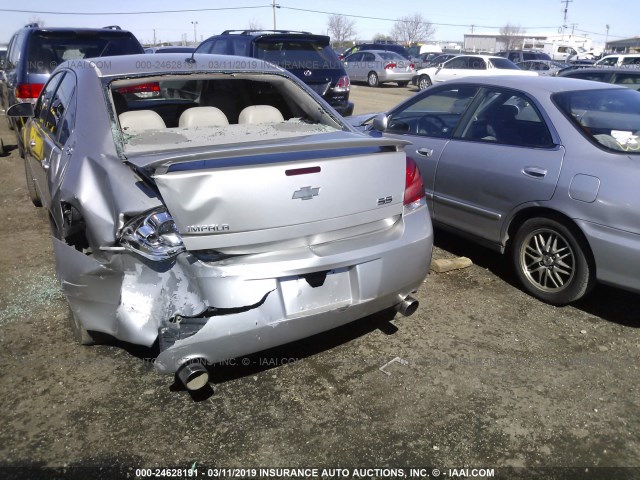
point(246, 32)
point(113, 27)
point(32, 25)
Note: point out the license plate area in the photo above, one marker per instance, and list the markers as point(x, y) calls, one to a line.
point(300, 297)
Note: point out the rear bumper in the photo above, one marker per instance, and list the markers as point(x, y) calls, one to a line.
point(270, 302)
point(345, 110)
point(390, 76)
point(616, 253)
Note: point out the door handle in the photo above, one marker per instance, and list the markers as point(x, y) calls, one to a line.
point(535, 172)
point(425, 152)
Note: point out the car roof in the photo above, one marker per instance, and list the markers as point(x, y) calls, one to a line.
point(178, 63)
point(272, 33)
point(623, 69)
point(113, 29)
point(538, 84)
point(379, 51)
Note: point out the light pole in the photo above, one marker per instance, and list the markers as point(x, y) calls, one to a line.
point(195, 36)
point(606, 39)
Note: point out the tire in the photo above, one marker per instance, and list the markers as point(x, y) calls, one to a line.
point(81, 334)
point(403, 84)
point(552, 262)
point(2, 150)
point(372, 79)
point(31, 186)
point(424, 82)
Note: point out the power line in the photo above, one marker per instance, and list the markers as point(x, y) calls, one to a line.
point(148, 12)
point(131, 13)
point(399, 20)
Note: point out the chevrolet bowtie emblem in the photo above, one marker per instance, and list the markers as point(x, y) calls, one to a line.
point(306, 193)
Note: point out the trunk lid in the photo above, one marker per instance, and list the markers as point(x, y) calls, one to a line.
point(243, 196)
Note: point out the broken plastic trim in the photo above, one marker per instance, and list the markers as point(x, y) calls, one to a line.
point(180, 327)
point(153, 235)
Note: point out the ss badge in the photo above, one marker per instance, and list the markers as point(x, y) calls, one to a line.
point(385, 200)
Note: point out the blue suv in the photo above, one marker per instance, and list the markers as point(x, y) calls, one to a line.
point(309, 57)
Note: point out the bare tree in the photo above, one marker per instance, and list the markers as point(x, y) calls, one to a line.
point(254, 25)
point(510, 36)
point(412, 28)
point(381, 37)
point(341, 29)
point(35, 19)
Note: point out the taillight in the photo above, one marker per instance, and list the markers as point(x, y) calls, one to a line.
point(25, 91)
point(414, 187)
point(343, 85)
point(412, 66)
point(152, 87)
point(390, 66)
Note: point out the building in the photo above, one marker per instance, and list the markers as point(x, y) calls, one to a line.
point(493, 43)
point(629, 45)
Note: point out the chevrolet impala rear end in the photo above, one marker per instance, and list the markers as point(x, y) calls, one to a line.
point(220, 208)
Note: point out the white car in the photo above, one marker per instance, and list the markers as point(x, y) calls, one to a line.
point(467, 66)
point(620, 60)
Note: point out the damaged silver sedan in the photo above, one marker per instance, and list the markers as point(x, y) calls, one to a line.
point(217, 206)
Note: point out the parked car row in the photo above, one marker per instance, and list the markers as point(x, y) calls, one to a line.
point(467, 66)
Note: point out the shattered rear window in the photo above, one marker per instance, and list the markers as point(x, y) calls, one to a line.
point(151, 111)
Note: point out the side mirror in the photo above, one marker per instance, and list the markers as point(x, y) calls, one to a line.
point(20, 110)
point(380, 122)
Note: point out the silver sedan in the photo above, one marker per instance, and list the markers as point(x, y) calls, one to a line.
point(544, 169)
point(379, 66)
point(217, 215)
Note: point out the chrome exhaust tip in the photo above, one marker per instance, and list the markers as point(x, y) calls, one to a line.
point(193, 375)
point(408, 306)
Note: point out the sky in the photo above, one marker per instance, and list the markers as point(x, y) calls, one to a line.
point(452, 19)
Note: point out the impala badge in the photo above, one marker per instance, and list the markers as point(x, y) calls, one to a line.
point(307, 73)
point(306, 193)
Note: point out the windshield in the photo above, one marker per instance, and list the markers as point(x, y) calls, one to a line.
point(610, 118)
point(390, 56)
point(504, 64)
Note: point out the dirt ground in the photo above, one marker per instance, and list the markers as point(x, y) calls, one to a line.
point(485, 376)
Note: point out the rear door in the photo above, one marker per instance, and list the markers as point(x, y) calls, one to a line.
point(428, 121)
point(501, 156)
point(352, 65)
point(48, 133)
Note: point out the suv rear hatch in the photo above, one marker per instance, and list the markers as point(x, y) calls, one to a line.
point(308, 57)
point(241, 198)
point(48, 49)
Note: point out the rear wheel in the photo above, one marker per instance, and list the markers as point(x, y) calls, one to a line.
point(552, 262)
point(373, 80)
point(31, 186)
point(424, 82)
point(403, 84)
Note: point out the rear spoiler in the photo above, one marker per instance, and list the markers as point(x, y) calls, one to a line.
point(160, 162)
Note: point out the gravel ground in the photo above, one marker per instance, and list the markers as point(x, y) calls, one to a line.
point(482, 376)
